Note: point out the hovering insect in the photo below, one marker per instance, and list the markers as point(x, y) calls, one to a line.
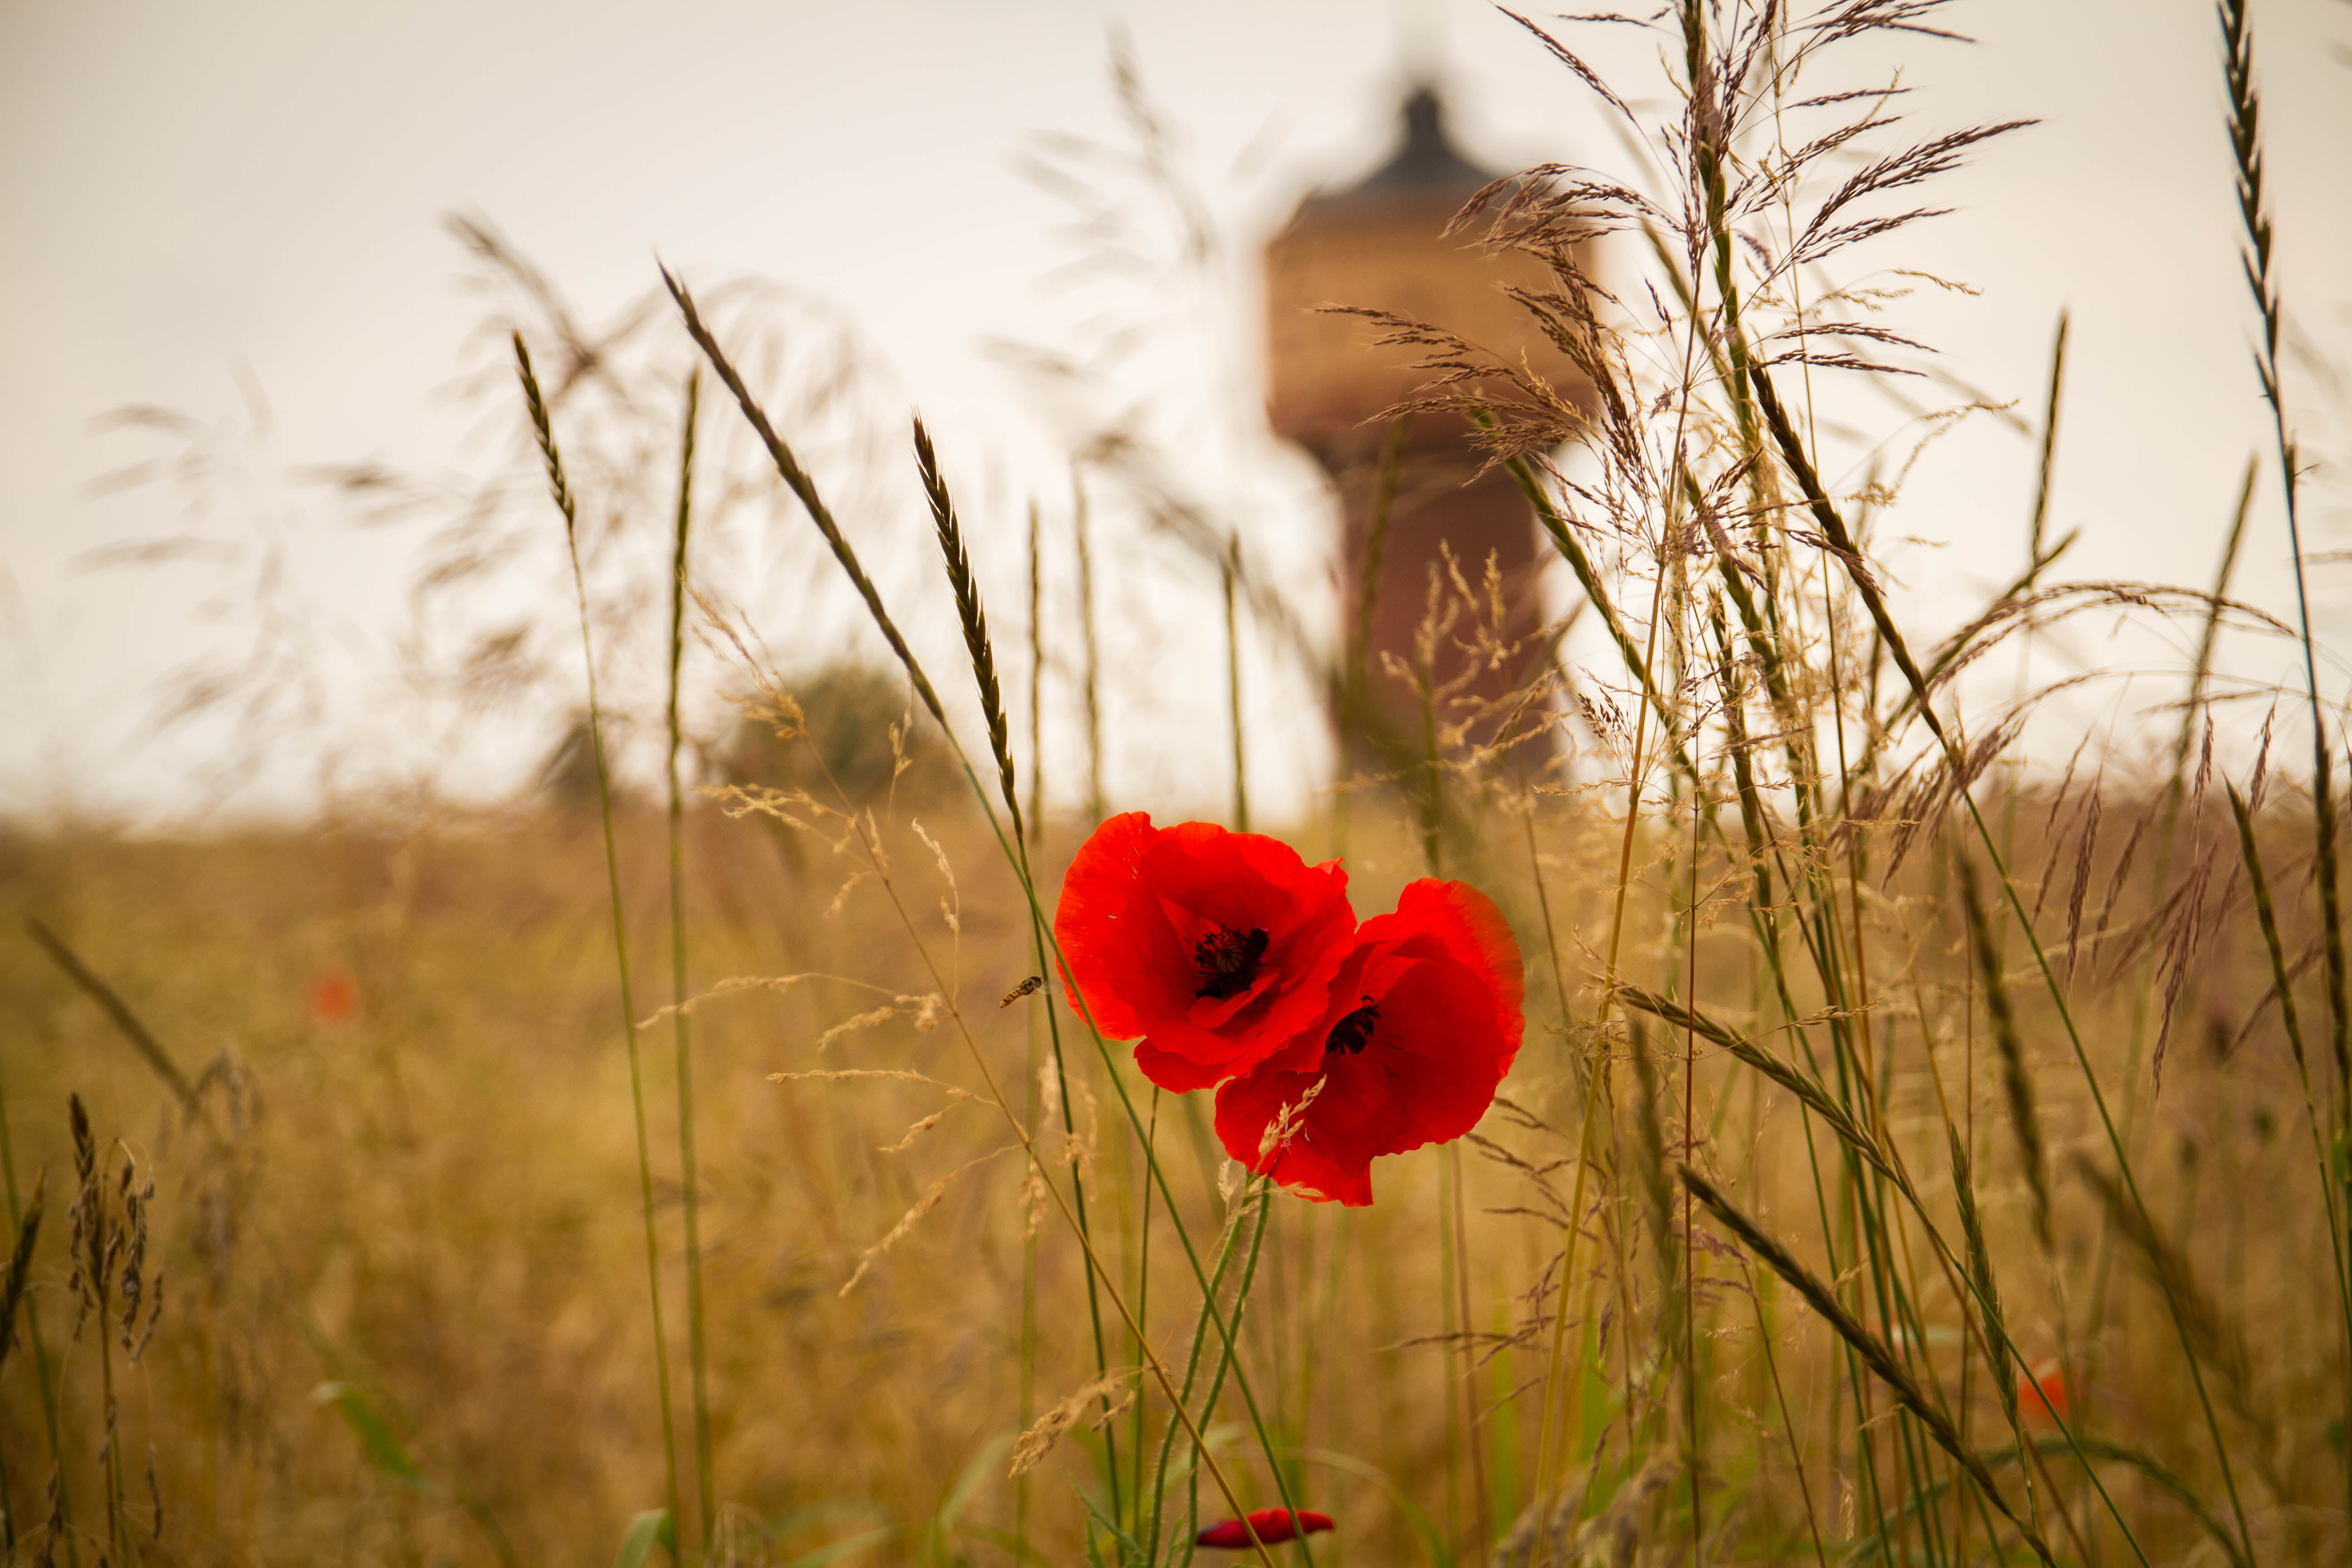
point(1034, 984)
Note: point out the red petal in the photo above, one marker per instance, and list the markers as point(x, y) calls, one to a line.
point(1178, 1075)
point(1472, 930)
point(1096, 922)
point(1273, 1526)
point(1135, 901)
point(1445, 976)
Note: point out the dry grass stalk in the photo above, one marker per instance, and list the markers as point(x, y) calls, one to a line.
point(1039, 1439)
point(789, 468)
point(908, 1221)
point(143, 1040)
point(560, 488)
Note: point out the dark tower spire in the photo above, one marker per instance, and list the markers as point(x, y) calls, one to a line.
point(1426, 156)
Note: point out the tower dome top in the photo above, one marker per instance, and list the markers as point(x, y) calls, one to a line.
point(1427, 161)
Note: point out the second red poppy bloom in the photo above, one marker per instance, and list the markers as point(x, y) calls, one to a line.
point(1217, 948)
point(1424, 1019)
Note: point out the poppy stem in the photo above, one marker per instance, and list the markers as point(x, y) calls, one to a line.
point(1479, 1509)
point(1143, 1292)
point(1263, 1199)
point(1097, 1270)
point(1191, 1377)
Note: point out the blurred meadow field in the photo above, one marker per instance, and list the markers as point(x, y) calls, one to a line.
point(1931, 1137)
point(420, 1199)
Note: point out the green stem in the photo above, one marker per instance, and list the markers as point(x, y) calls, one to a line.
point(1226, 1359)
point(705, 1466)
point(561, 491)
point(1191, 1374)
point(1143, 1294)
point(1841, 544)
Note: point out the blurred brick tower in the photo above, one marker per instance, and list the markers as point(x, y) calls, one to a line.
point(1379, 244)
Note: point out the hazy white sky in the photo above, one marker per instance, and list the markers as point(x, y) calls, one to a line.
point(201, 187)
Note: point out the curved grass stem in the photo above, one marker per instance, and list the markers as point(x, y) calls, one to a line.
point(561, 489)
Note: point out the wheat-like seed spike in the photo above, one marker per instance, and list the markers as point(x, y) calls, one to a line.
point(545, 431)
point(1810, 1093)
point(561, 489)
point(788, 466)
point(1964, 1191)
point(20, 1265)
point(2085, 850)
point(969, 613)
point(2023, 1118)
point(2245, 144)
point(1651, 1167)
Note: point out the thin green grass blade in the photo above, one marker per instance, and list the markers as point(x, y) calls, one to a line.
point(706, 1475)
point(560, 488)
point(1874, 1353)
point(1840, 544)
point(956, 558)
point(378, 1442)
point(847, 1546)
point(648, 1529)
point(2086, 1449)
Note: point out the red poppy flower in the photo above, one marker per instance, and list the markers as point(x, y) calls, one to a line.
point(1272, 1524)
point(1424, 1018)
point(334, 995)
point(2042, 1398)
point(1215, 948)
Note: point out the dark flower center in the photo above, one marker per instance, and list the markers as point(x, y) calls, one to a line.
point(1354, 1032)
point(1229, 961)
